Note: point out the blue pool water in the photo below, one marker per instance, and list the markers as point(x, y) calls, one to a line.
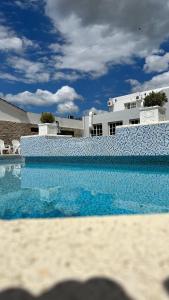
point(40, 190)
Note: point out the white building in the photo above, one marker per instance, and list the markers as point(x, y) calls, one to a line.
point(123, 110)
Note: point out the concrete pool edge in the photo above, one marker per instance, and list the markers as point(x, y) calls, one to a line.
point(97, 160)
point(11, 158)
point(131, 250)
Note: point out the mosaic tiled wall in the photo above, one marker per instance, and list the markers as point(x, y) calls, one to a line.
point(147, 140)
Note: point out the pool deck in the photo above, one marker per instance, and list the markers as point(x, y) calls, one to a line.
point(126, 257)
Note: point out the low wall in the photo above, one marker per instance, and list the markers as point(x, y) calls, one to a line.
point(147, 140)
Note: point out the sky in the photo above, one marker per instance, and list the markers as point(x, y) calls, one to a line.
point(70, 56)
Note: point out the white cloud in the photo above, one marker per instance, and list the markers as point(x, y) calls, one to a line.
point(156, 63)
point(24, 4)
point(94, 110)
point(158, 81)
point(68, 107)
point(104, 33)
point(71, 76)
point(64, 98)
point(29, 71)
point(8, 76)
point(55, 47)
point(135, 84)
point(23, 70)
point(9, 41)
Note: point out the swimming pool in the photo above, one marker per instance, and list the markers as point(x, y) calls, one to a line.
point(47, 190)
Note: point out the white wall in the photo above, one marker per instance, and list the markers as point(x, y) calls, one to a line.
point(11, 113)
point(120, 113)
point(70, 123)
point(33, 118)
point(105, 118)
point(120, 101)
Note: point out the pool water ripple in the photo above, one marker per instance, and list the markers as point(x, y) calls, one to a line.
point(38, 190)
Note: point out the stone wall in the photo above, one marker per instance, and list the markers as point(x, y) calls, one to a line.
point(10, 130)
point(141, 140)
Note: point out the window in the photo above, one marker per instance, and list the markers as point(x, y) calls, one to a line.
point(34, 129)
point(67, 132)
point(133, 105)
point(112, 127)
point(130, 105)
point(134, 121)
point(97, 130)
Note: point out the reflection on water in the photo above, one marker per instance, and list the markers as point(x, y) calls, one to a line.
point(46, 190)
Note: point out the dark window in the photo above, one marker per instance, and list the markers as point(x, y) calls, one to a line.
point(130, 105)
point(97, 130)
point(34, 129)
point(134, 121)
point(66, 132)
point(112, 127)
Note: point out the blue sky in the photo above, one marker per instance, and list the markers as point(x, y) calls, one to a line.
point(68, 56)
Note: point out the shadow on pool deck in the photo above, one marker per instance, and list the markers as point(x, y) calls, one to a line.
point(166, 285)
point(94, 289)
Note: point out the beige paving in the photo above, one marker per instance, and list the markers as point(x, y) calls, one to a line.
point(132, 251)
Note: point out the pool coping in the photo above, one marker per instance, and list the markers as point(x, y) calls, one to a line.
point(11, 158)
point(132, 251)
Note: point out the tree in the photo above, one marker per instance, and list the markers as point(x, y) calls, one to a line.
point(155, 99)
point(47, 117)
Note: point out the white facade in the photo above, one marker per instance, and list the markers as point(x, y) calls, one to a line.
point(12, 113)
point(153, 114)
point(123, 110)
point(48, 129)
point(119, 103)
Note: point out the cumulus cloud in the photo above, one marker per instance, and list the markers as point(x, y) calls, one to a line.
point(64, 99)
point(68, 107)
point(22, 70)
point(71, 76)
point(8, 76)
point(158, 81)
point(135, 84)
point(9, 41)
point(102, 33)
point(29, 71)
point(156, 63)
point(94, 110)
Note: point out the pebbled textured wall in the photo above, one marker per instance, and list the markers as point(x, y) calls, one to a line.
point(146, 140)
point(13, 131)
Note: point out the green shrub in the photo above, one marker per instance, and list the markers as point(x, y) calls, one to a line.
point(155, 99)
point(47, 117)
